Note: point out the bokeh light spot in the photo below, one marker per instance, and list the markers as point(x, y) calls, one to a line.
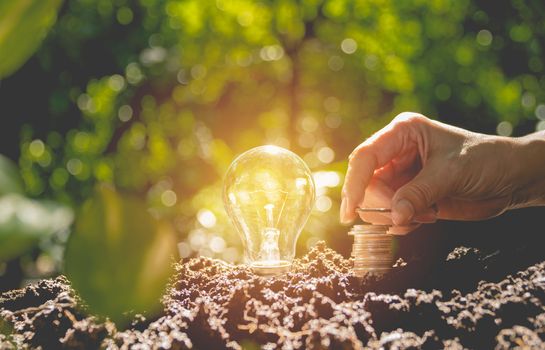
point(332, 104)
point(124, 15)
point(36, 148)
point(82, 141)
point(74, 166)
point(326, 155)
point(520, 33)
point(133, 73)
point(168, 198)
point(116, 82)
point(45, 264)
point(326, 178)
point(323, 203)
point(45, 159)
point(371, 62)
point(197, 238)
point(271, 53)
point(182, 77)
point(217, 244)
point(335, 63)
point(349, 46)
point(243, 58)
point(528, 100)
point(198, 71)
point(540, 112)
point(484, 37)
point(309, 123)
point(333, 121)
point(124, 113)
point(84, 102)
point(245, 18)
point(153, 55)
point(206, 218)
point(504, 128)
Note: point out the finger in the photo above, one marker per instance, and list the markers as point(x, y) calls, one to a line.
point(372, 154)
point(376, 218)
point(402, 230)
point(429, 216)
point(377, 195)
point(358, 175)
point(401, 165)
point(429, 186)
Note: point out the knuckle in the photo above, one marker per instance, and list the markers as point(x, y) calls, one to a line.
point(422, 194)
point(407, 116)
point(358, 152)
point(410, 118)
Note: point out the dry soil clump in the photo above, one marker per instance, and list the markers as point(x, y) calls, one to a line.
point(318, 304)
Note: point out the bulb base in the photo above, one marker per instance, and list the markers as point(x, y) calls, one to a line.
point(270, 268)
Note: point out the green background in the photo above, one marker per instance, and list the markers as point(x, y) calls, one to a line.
point(156, 97)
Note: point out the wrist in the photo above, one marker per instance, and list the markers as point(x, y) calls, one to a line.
point(528, 167)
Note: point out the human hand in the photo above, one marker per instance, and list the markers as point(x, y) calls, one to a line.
point(424, 170)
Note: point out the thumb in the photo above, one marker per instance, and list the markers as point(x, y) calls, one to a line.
point(418, 195)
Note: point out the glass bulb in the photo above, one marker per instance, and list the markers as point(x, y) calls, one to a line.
point(269, 193)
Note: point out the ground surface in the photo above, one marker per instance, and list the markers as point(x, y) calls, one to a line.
point(320, 304)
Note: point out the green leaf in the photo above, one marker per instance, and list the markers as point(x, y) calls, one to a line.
point(119, 257)
point(23, 26)
point(24, 221)
point(10, 179)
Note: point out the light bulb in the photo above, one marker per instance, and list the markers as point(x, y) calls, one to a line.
point(269, 193)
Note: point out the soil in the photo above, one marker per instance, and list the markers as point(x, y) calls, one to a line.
point(459, 304)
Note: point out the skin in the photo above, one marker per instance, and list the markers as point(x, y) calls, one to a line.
point(425, 170)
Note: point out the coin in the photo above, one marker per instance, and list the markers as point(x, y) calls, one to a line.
point(374, 210)
point(372, 248)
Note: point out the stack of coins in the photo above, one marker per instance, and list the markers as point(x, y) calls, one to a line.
point(372, 249)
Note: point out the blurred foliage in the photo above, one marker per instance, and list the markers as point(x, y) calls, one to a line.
point(157, 96)
point(23, 25)
point(119, 257)
point(10, 180)
point(25, 222)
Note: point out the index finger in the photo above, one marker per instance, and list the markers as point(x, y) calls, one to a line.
point(373, 153)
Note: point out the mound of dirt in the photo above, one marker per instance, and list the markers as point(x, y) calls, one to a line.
point(318, 304)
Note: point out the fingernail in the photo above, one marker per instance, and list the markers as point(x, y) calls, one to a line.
point(343, 214)
point(402, 212)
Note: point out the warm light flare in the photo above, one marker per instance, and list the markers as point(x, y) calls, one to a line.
point(268, 194)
